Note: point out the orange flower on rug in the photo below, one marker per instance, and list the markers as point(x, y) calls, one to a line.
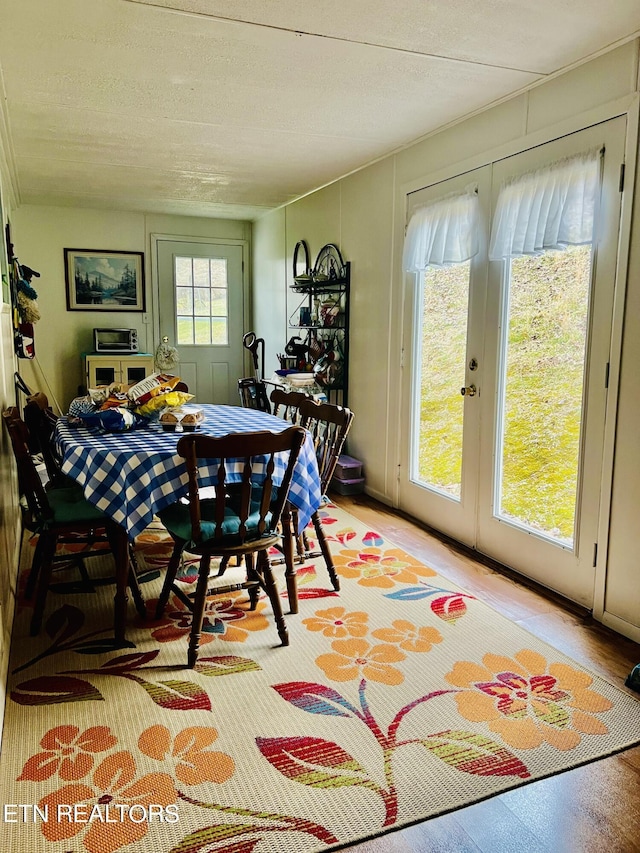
point(84, 807)
point(528, 701)
point(384, 569)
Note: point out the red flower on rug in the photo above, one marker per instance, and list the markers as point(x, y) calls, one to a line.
point(194, 763)
point(528, 701)
point(114, 786)
point(224, 619)
point(374, 567)
point(67, 752)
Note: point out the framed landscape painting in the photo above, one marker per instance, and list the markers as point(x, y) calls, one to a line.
point(100, 280)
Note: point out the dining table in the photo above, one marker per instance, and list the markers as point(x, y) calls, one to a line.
point(133, 475)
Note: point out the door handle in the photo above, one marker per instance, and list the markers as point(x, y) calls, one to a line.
point(469, 391)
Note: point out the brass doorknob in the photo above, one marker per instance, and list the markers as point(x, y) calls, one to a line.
point(470, 391)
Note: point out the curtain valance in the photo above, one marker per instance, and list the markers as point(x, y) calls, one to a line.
point(443, 232)
point(550, 208)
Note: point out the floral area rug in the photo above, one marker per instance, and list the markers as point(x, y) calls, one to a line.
point(398, 699)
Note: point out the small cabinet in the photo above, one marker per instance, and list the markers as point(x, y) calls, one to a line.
point(319, 321)
point(105, 369)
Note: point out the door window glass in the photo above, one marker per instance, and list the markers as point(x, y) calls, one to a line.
point(542, 384)
point(202, 301)
point(439, 409)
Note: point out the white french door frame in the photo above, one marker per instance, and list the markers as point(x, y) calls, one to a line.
point(403, 299)
point(569, 571)
point(454, 517)
point(617, 328)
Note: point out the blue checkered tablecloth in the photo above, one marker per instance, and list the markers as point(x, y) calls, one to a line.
point(133, 475)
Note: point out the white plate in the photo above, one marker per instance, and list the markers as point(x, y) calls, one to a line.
point(300, 379)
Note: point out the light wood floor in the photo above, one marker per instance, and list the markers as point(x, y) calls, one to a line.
point(587, 810)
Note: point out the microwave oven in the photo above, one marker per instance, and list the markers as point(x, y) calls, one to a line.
point(124, 341)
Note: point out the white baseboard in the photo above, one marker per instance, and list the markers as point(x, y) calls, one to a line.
point(384, 499)
point(621, 626)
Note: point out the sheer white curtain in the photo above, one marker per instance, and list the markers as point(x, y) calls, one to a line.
point(550, 208)
point(443, 232)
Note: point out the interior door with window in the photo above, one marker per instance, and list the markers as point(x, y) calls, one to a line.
point(201, 298)
point(534, 375)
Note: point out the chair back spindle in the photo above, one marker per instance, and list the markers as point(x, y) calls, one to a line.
point(329, 426)
point(286, 404)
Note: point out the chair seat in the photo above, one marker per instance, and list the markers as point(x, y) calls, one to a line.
point(69, 506)
point(177, 519)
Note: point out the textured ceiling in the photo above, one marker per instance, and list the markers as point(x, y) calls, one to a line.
point(233, 107)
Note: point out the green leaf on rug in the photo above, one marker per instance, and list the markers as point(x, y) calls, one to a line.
point(176, 695)
point(103, 646)
point(475, 754)
point(226, 665)
point(51, 690)
point(209, 835)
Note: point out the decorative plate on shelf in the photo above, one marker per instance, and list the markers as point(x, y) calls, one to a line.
point(301, 263)
point(329, 265)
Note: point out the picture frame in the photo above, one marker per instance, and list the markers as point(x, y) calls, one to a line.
point(103, 280)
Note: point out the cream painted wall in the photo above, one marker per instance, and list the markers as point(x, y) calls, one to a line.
point(333, 215)
point(42, 233)
point(365, 241)
point(269, 300)
point(365, 214)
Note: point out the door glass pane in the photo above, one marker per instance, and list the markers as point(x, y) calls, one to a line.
point(184, 330)
point(440, 371)
point(203, 330)
point(184, 272)
point(184, 300)
point(202, 301)
point(542, 388)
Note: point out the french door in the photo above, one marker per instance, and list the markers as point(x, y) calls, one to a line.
point(512, 466)
point(201, 302)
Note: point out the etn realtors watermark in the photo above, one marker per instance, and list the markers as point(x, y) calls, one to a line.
point(86, 813)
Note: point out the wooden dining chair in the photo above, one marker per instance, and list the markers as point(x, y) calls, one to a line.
point(329, 426)
point(253, 394)
point(58, 513)
point(41, 423)
point(286, 404)
point(239, 522)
